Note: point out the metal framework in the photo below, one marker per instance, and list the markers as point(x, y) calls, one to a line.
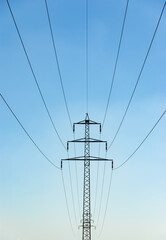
point(86, 222)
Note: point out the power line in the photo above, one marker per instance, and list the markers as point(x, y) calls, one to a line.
point(72, 194)
point(112, 82)
point(102, 189)
point(25, 51)
point(139, 76)
point(28, 133)
point(40, 152)
point(116, 62)
point(33, 73)
point(97, 179)
point(68, 212)
point(101, 196)
point(87, 59)
point(141, 142)
point(96, 190)
point(76, 170)
point(109, 189)
point(64, 95)
point(110, 182)
point(78, 199)
point(57, 61)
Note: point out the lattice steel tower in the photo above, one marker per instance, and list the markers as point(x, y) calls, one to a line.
point(86, 233)
point(86, 222)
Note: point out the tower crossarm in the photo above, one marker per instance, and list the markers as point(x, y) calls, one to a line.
point(89, 140)
point(90, 158)
point(87, 121)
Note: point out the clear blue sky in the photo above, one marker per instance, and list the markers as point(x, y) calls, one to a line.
point(32, 204)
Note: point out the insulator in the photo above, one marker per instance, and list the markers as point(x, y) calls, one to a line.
point(100, 128)
point(73, 128)
point(112, 165)
point(61, 164)
point(106, 146)
point(67, 146)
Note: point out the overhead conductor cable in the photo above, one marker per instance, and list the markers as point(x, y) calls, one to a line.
point(67, 205)
point(34, 76)
point(142, 141)
point(57, 61)
point(108, 196)
point(25, 131)
point(110, 182)
point(116, 62)
point(87, 59)
point(64, 96)
point(139, 76)
point(112, 81)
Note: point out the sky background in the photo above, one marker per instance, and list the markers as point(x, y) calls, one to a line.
point(32, 203)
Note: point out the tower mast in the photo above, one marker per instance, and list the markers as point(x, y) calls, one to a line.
point(87, 158)
point(86, 233)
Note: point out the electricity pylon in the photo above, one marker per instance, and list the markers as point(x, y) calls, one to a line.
point(86, 222)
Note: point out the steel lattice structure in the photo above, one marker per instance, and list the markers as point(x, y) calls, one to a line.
point(86, 221)
point(86, 233)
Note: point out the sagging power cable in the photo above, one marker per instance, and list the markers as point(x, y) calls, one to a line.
point(141, 142)
point(57, 61)
point(116, 62)
point(138, 79)
point(33, 73)
point(25, 131)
